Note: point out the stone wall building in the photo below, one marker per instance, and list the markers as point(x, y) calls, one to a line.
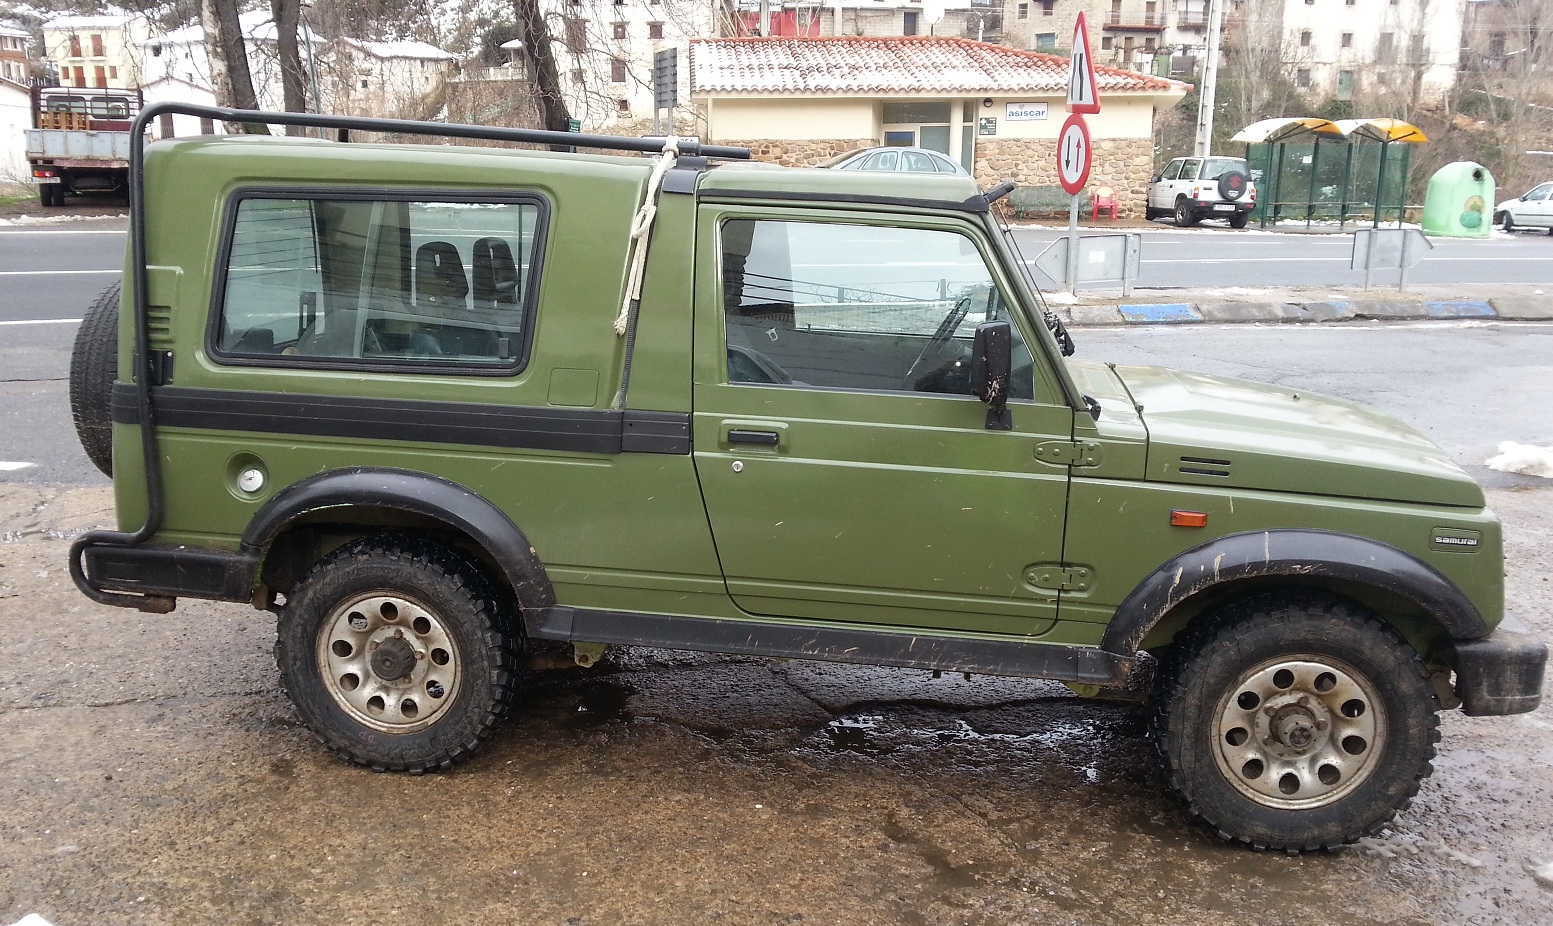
point(996, 110)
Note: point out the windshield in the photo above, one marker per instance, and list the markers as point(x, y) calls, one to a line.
point(1213, 168)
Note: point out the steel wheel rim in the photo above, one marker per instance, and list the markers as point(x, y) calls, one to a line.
point(389, 662)
point(1299, 732)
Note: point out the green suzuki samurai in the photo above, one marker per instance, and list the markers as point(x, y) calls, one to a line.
point(431, 403)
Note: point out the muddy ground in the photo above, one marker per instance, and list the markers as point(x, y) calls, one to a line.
point(151, 772)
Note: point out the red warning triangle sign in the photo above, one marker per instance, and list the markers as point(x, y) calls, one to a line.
point(1083, 85)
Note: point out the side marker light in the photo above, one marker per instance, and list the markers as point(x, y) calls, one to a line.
point(1188, 519)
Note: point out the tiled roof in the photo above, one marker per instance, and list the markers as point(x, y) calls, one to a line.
point(900, 64)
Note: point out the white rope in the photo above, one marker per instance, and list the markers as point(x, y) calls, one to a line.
point(641, 231)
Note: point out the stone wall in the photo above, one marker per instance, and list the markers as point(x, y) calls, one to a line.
point(804, 153)
point(1124, 164)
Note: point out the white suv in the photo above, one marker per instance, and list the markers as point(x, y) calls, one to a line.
point(1193, 189)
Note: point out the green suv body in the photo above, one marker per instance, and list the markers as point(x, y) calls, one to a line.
point(431, 403)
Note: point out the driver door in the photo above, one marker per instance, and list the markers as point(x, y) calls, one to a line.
point(847, 472)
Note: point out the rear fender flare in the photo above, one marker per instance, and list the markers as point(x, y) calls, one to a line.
point(415, 493)
point(1293, 553)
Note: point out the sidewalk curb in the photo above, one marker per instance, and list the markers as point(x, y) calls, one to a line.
point(1365, 308)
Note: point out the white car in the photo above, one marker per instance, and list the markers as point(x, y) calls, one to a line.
point(1533, 210)
point(1193, 189)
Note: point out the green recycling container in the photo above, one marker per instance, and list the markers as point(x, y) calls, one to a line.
point(1460, 201)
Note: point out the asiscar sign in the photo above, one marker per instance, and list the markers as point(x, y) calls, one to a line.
point(1025, 112)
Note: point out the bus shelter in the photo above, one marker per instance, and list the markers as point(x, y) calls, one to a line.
point(1314, 170)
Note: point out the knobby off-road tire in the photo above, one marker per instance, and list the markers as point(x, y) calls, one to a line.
point(1294, 722)
point(398, 653)
point(94, 365)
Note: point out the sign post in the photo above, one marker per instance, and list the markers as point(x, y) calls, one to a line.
point(1075, 153)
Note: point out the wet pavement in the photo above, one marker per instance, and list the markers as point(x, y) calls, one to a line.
point(152, 772)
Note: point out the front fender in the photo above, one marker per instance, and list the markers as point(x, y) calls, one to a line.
point(415, 493)
point(1295, 553)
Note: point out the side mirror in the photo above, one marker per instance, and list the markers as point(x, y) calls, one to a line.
point(1158, 178)
point(991, 363)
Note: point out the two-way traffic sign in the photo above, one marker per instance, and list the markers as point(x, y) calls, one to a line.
point(1074, 155)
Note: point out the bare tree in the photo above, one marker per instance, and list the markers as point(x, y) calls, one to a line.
point(538, 54)
point(293, 79)
point(225, 46)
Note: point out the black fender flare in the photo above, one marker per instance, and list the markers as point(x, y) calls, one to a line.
point(1302, 553)
point(415, 493)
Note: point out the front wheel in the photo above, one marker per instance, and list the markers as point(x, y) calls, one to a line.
point(396, 653)
point(1509, 223)
point(1294, 722)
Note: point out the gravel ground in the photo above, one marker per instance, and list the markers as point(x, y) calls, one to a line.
point(152, 773)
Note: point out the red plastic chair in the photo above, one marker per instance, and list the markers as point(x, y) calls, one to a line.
point(1104, 199)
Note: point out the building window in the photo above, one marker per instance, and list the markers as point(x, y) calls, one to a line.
point(578, 77)
point(75, 46)
point(909, 23)
point(623, 107)
point(1302, 77)
point(1148, 44)
point(1044, 41)
point(1047, 7)
point(1386, 48)
point(113, 73)
point(1345, 85)
point(101, 75)
point(576, 35)
point(1496, 45)
point(1417, 51)
point(97, 51)
point(1305, 38)
point(1105, 42)
point(1023, 11)
point(1347, 40)
point(617, 70)
point(655, 30)
point(619, 30)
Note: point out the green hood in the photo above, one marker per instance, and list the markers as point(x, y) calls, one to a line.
point(1213, 430)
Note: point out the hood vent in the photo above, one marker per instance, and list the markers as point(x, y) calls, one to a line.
point(1202, 466)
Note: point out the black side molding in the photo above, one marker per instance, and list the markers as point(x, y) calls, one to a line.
point(1087, 665)
point(1303, 553)
point(157, 569)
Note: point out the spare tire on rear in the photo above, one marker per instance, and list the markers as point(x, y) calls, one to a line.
point(94, 365)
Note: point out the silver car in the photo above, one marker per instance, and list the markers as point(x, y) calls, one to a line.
point(912, 160)
point(1533, 210)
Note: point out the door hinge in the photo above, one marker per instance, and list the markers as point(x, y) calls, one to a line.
point(1069, 452)
point(1059, 577)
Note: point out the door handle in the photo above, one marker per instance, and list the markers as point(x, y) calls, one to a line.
point(758, 438)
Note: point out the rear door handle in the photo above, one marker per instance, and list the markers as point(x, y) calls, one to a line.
point(758, 438)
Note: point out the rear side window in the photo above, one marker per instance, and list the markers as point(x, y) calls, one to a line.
point(359, 281)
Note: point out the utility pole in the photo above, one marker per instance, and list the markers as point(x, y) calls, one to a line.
point(1210, 81)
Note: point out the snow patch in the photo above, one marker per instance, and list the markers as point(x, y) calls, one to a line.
point(1524, 459)
point(57, 219)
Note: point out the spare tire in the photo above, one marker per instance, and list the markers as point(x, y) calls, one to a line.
point(94, 365)
point(1232, 185)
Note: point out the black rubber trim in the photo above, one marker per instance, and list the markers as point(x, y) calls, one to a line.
point(1502, 673)
point(684, 175)
point(161, 569)
point(976, 204)
point(378, 488)
point(580, 430)
point(831, 644)
point(1305, 554)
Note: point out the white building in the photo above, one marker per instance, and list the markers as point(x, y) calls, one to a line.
point(604, 52)
point(1337, 49)
point(180, 55)
point(15, 115)
point(96, 51)
point(971, 19)
point(393, 80)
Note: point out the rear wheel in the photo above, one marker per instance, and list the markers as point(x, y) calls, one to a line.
point(94, 365)
point(1184, 216)
point(397, 653)
point(50, 194)
point(1239, 219)
point(1294, 722)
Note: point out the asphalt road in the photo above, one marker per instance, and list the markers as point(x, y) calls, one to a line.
point(1209, 256)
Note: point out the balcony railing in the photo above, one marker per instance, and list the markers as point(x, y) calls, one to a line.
point(1142, 22)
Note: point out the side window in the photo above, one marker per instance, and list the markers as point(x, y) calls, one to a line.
point(356, 280)
point(1540, 193)
point(884, 160)
point(1189, 169)
point(1173, 170)
point(918, 162)
point(858, 307)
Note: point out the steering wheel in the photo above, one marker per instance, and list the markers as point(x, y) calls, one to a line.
point(946, 330)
